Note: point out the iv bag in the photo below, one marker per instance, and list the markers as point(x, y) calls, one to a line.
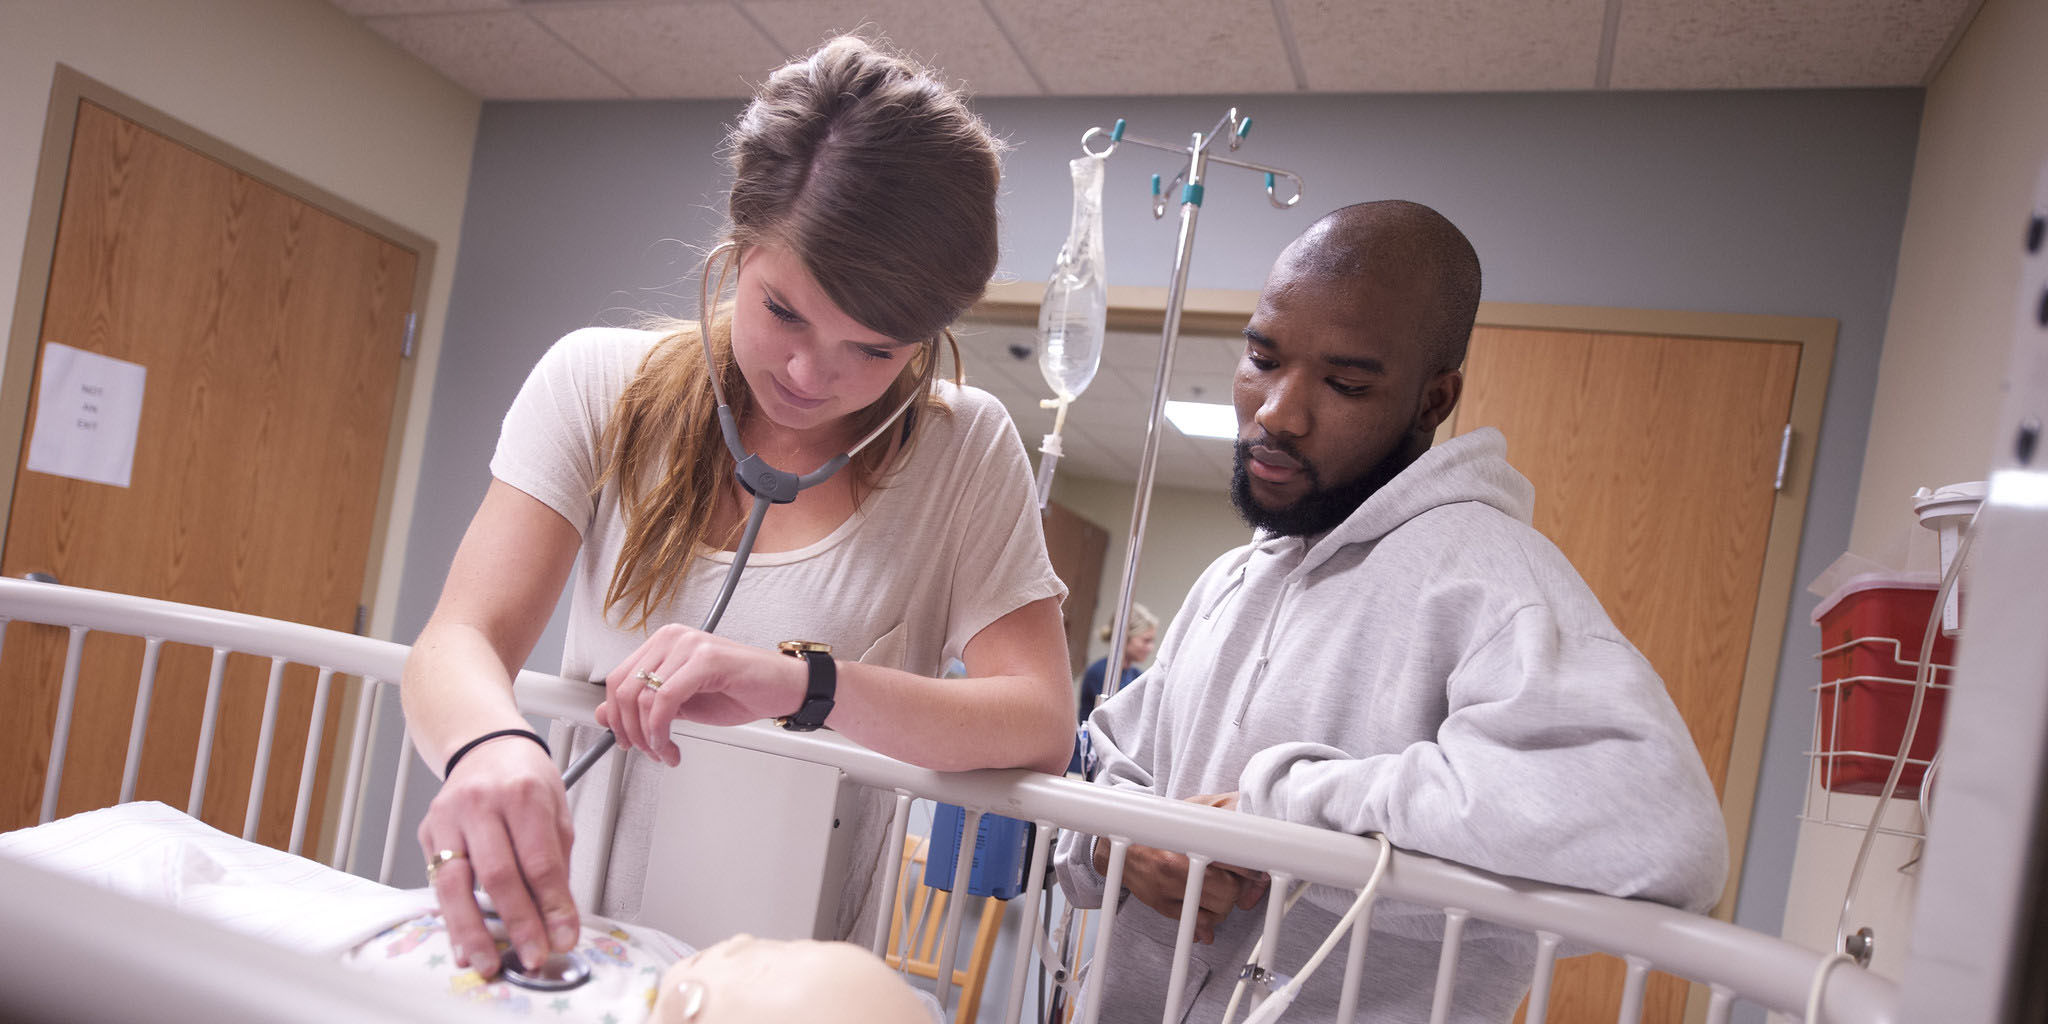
point(1076, 305)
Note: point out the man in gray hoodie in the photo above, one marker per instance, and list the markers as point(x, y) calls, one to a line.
point(1397, 651)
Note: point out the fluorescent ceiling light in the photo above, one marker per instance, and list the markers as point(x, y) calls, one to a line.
point(1203, 419)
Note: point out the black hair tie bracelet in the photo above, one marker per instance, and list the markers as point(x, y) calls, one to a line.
point(486, 738)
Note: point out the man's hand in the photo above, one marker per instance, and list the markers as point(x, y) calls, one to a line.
point(1159, 879)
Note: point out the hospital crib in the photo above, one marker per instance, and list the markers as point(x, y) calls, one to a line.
point(181, 970)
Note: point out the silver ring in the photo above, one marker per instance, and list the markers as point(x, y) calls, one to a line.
point(439, 861)
point(653, 681)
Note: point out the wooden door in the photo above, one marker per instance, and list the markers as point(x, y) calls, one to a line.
point(1076, 546)
point(271, 333)
point(1654, 461)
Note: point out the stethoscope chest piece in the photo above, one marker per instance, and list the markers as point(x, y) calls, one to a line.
point(558, 973)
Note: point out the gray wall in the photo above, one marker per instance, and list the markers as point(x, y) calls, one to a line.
point(1782, 203)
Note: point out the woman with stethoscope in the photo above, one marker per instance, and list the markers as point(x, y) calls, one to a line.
point(863, 222)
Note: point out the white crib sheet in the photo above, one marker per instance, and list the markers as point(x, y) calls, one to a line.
point(160, 855)
point(157, 854)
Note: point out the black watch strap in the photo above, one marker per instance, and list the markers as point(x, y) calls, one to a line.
point(819, 690)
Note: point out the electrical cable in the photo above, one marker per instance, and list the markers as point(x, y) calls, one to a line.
point(1820, 984)
point(1278, 1002)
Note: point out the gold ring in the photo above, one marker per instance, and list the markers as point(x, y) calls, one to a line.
point(653, 681)
point(439, 861)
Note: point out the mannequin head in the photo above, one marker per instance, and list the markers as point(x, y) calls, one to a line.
point(745, 980)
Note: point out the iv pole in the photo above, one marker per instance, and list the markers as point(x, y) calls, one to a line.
point(1191, 179)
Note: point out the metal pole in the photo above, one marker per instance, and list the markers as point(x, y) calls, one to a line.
point(1190, 207)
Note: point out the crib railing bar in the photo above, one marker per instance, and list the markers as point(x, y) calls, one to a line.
point(261, 774)
point(1269, 944)
point(145, 687)
point(201, 627)
point(1539, 981)
point(913, 900)
point(1354, 965)
point(202, 759)
point(899, 822)
point(60, 737)
point(1112, 884)
point(1034, 885)
point(1447, 964)
point(398, 788)
point(1720, 1004)
point(312, 759)
point(963, 869)
point(352, 783)
point(1632, 991)
point(1184, 939)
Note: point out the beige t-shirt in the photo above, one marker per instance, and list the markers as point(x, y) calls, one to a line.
point(949, 543)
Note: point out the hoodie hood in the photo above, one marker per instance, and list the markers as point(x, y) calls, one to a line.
point(1469, 467)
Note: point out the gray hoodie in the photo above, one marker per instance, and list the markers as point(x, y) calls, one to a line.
point(1432, 669)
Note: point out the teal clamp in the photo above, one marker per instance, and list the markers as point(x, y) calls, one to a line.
point(1116, 133)
point(1244, 128)
point(1191, 194)
point(1269, 181)
point(1155, 184)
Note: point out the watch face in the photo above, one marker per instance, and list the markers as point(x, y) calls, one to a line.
point(799, 648)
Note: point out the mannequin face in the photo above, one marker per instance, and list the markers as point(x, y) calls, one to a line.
point(745, 980)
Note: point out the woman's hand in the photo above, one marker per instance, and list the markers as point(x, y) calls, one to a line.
point(702, 678)
point(504, 816)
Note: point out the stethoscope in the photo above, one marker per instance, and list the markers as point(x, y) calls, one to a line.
point(768, 485)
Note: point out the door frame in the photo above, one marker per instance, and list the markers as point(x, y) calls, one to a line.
point(1225, 311)
point(68, 89)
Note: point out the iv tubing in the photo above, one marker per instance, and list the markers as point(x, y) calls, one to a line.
point(1891, 782)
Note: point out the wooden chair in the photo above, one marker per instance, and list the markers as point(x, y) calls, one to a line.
point(928, 924)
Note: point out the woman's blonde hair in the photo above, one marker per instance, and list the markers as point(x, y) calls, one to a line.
point(873, 173)
point(1141, 620)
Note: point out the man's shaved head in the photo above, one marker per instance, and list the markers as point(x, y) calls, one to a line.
point(1351, 363)
point(1409, 248)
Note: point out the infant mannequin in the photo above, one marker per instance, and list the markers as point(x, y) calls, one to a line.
point(745, 980)
point(157, 854)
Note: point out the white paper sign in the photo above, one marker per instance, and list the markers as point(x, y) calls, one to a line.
point(88, 412)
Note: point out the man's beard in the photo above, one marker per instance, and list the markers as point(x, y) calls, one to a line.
point(1321, 509)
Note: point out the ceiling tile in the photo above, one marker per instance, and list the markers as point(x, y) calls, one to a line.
point(1763, 44)
point(702, 50)
point(1131, 349)
point(1447, 45)
point(956, 37)
point(498, 55)
point(1142, 47)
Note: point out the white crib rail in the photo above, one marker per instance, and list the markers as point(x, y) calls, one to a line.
point(1735, 962)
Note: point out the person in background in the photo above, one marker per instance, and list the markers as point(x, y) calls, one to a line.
point(862, 223)
point(1141, 635)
